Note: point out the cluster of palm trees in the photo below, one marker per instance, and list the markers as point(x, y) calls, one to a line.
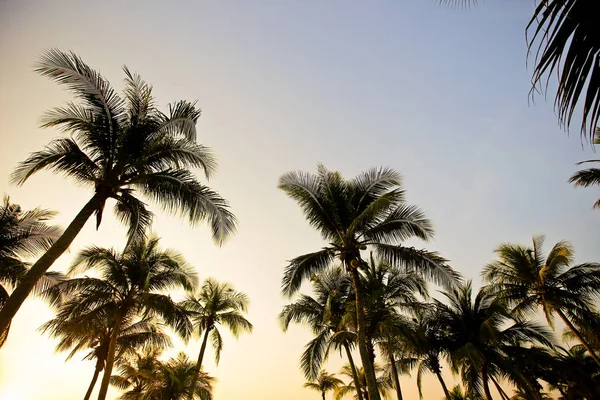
point(117, 304)
point(381, 303)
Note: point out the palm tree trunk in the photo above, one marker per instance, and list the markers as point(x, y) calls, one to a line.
point(110, 359)
point(395, 374)
point(99, 366)
point(27, 283)
point(362, 337)
point(323, 394)
point(199, 363)
point(357, 384)
point(446, 392)
point(485, 379)
point(576, 333)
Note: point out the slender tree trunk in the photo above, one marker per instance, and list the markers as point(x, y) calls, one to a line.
point(99, 366)
point(354, 373)
point(110, 359)
point(27, 283)
point(499, 389)
point(576, 333)
point(485, 379)
point(199, 362)
point(395, 375)
point(323, 394)
point(362, 337)
point(446, 392)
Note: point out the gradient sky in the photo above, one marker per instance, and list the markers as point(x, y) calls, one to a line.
point(439, 94)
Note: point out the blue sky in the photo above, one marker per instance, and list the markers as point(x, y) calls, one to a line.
point(440, 94)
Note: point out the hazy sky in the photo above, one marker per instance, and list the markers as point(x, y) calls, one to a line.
point(439, 94)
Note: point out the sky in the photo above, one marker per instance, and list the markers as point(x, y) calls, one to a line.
point(437, 93)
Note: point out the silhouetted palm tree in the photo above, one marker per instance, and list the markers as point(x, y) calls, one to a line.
point(130, 286)
point(217, 304)
point(352, 215)
point(23, 234)
point(91, 329)
point(527, 279)
point(384, 383)
point(120, 147)
point(324, 383)
point(324, 315)
point(481, 338)
point(150, 379)
point(389, 292)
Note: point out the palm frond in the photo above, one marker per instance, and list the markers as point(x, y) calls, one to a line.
point(303, 267)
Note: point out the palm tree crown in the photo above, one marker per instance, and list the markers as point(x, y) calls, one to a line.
point(325, 382)
point(119, 147)
point(369, 210)
point(526, 279)
point(129, 287)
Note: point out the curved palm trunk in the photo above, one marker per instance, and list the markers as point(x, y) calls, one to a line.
point(446, 392)
point(199, 363)
point(485, 379)
point(323, 394)
point(577, 334)
point(395, 374)
point(99, 366)
point(27, 283)
point(357, 384)
point(362, 338)
point(110, 359)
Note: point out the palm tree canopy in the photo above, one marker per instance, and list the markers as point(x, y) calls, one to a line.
point(23, 234)
point(525, 277)
point(131, 283)
point(325, 382)
point(324, 314)
point(589, 176)
point(120, 146)
point(218, 303)
point(369, 210)
point(148, 378)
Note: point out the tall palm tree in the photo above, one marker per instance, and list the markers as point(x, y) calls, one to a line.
point(389, 292)
point(129, 287)
point(23, 234)
point(527, 279)
point(79, 330)
point(482, 336)
point(148, 378)
point(217, 303)
point(351, 215)
point(324, 383)
point(384, 384)
point(324, 314)
point(119, 147)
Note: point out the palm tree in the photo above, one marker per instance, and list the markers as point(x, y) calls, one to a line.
point(23, 234)
point(324, 314)
point(457, 394)
point(350, 215)
point(389, 291)
point(217, 304)
point(482, 336)
point(384, 384)
point(147, 378)
point(527, 279)
point(324, 383)
point(79, 330)
point(425, 339)
point(129, 287)
point(589, 176)
point(119, 146)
